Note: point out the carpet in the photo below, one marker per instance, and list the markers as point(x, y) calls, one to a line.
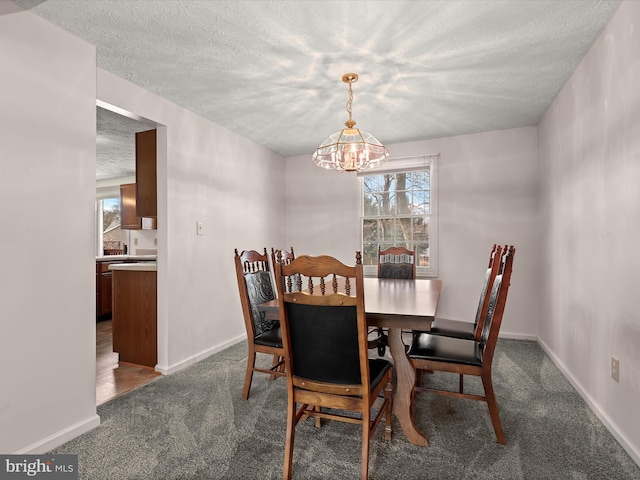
point(194, 425)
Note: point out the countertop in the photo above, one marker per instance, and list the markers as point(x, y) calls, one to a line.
point(119, 258)
point(135, 267)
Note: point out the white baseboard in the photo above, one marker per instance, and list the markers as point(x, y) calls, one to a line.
point(63, 436)
point(168, 370)
point(600, 413)
point(49, 443)
point(517, 336)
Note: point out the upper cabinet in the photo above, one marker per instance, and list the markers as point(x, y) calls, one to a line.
point(129, 220)
point(146, 178)
point(139, 200)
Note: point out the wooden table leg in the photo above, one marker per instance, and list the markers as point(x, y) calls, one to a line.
point(403, 400)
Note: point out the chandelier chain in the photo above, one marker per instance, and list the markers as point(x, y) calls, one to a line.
point(350, 101)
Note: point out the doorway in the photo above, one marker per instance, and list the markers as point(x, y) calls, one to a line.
point(116, 166)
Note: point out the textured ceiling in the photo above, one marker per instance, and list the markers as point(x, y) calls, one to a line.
point(116, 144)
point(271, 70)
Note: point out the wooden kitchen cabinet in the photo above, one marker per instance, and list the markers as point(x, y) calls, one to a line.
point(135, 317)
point(146, 176)
point(129, 220)
point(104, 289)
point(106, 292)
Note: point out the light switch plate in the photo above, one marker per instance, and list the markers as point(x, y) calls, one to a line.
point(615, 369)
point(199, 228)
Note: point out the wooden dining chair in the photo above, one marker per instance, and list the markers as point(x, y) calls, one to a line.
point(286, 257)
point(397, 262)
point(263, 336)
point(472, 330)
point(393, 262)
point(324, 330)
point(469, 357)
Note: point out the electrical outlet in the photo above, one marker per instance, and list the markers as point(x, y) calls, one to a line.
point(155, 242)
point(135, 240)
point(615, 369)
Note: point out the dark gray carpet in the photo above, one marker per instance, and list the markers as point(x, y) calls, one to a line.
point(194, 425)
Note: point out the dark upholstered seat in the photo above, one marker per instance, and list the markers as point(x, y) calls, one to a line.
point(468, 330)
point(324, 327)
point(453, 328)
point(270, 338)
point(469, 357)
point(263, 336)
point(438, 348)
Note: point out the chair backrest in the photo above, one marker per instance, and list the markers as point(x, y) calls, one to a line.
point(497, 302)
point(397, 262)
point(324, 326)
point(255, 287)
point(286, 257)
point(490, 274)
point(282, 256)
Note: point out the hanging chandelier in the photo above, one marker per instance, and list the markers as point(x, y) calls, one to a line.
point(350, 149)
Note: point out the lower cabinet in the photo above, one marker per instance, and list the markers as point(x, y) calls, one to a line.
point(104, 289)
point(135, 317)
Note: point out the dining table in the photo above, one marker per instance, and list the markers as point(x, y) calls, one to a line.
point(397, 305)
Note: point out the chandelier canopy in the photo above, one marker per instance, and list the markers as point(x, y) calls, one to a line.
point(350, 149)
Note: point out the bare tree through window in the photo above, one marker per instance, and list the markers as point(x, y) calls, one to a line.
point(396, 212)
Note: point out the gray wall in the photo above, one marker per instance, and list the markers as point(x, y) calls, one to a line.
point(48, 140)
point(487, 193)
point(589, 211)
point(47, 194)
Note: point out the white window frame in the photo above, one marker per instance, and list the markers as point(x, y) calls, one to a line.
point(400, 165)
point(102, 194)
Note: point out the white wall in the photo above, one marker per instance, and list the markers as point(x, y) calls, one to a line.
point(47, 140)
point(142, 240)
point(589, 143)
point(207, 174)
point(486, 193)
point(47, 195)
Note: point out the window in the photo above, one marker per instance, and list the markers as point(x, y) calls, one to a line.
point(111, 238)
point(398, 209)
